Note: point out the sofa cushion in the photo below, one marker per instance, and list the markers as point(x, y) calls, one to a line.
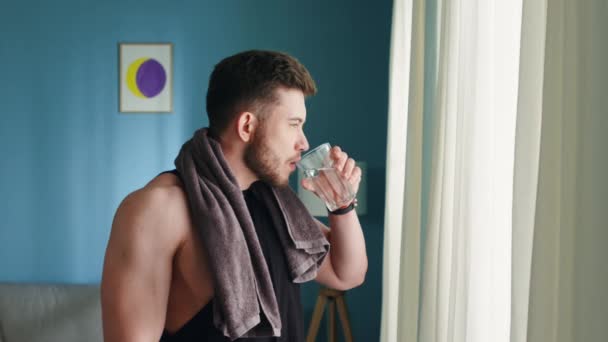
point(49, 313)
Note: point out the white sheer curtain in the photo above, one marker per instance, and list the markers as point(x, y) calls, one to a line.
point(487, 252)
point(567, 282)
point(401, 246)
point(466, 273)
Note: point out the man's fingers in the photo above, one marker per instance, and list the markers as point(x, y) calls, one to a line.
point(355, 176)
point(349, 166)
point(339, 158)
point(307, 184)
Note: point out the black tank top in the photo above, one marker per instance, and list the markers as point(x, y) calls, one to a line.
point(200, 328)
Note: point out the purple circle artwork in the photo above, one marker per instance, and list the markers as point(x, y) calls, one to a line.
point(151, 78)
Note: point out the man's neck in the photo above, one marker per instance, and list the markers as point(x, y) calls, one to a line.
point(234, 157)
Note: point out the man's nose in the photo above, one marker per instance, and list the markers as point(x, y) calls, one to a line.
point(303, 144)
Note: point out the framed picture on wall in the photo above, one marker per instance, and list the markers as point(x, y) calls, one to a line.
point(146, 77)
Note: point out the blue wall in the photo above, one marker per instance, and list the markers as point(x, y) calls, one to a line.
point(69, 157)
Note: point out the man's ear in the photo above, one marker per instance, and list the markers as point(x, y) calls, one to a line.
point(246, 125)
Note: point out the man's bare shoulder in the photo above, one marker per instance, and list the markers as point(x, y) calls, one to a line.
point(148, 231)
point(166, 189)
point(159, 209)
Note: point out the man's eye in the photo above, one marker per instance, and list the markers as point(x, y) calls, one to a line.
point(294, 124)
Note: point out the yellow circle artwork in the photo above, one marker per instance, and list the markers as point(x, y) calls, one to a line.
point(132, 77)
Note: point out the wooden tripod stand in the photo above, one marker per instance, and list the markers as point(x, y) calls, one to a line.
point(335, 299)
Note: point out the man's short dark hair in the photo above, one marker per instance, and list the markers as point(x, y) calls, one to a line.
point(248, 80)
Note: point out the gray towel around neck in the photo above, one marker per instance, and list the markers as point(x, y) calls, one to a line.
point(243, 288)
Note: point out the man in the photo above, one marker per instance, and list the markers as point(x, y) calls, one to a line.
point(157, 279)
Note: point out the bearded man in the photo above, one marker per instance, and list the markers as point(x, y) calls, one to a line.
point(215, 250)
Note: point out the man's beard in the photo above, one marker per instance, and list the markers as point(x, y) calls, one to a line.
point(263, 161)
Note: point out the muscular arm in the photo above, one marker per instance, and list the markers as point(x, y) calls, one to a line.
point(346, 265)
point(137, 269)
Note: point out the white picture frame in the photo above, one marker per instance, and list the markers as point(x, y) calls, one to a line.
point(145, 77)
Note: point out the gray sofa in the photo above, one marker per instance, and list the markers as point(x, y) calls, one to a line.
point(49, 313)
